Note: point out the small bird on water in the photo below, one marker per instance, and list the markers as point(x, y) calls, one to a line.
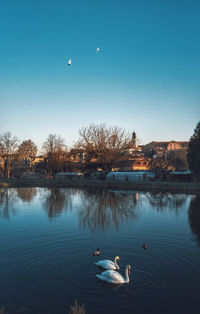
point(144, 246)
point(96, 253)
point(69, 61)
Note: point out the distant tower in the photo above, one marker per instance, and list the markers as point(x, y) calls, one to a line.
point(134, 140)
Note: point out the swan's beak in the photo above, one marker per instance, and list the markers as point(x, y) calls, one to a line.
point(129, 271)
point(119, 258)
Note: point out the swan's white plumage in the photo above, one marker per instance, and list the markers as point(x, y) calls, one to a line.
point(107, 264)
point(112, 276)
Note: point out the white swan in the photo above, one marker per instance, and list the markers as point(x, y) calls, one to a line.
point(112, 276)
point(107, 264)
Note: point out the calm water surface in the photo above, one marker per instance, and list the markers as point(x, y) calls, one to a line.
point(47, 237)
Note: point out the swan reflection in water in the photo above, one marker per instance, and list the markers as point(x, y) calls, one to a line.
point(102, 209)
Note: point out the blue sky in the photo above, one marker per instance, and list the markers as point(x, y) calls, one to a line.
point(146, 76)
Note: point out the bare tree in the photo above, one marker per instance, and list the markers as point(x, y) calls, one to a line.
point(104, 146)
point(8, 149)
point(27, 150)
point(55, 149)
point(160, 163)
point(54, 143)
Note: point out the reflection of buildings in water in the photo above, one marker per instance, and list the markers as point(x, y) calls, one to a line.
point(194, 217)
point(135, 197)
point(27, 194)
point(8, 199)
point(162, 201)
point(102, 208)
point(56, 200)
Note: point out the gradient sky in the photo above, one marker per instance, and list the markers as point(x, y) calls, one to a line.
point(146, 76)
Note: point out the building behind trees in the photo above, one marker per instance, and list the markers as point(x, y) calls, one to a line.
point(99, 148)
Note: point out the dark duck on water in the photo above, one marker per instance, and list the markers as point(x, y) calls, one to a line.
point(144, 246)
point(96, 253)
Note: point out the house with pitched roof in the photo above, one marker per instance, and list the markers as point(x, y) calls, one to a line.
point(161, 149)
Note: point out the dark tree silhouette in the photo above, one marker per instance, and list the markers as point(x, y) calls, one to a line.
point(193, 155)
point(194, 217)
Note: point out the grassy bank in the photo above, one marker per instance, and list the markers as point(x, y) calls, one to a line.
point(173, 187)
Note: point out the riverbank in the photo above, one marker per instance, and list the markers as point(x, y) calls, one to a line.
point(158, 186)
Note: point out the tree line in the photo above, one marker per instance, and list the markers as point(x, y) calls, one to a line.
point(98, 146)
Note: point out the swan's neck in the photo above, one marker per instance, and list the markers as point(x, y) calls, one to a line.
point(116, 263)
point(126, 275)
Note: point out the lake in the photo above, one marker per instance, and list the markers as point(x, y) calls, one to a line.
point(47, 237)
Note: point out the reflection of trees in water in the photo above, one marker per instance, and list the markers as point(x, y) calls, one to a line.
point(8, 198)
point(55, 200)
point(194, 216)
point(163, 201)
point(101, 208)
point(27, 194)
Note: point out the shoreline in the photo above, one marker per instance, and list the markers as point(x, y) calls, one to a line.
point(157, 186)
